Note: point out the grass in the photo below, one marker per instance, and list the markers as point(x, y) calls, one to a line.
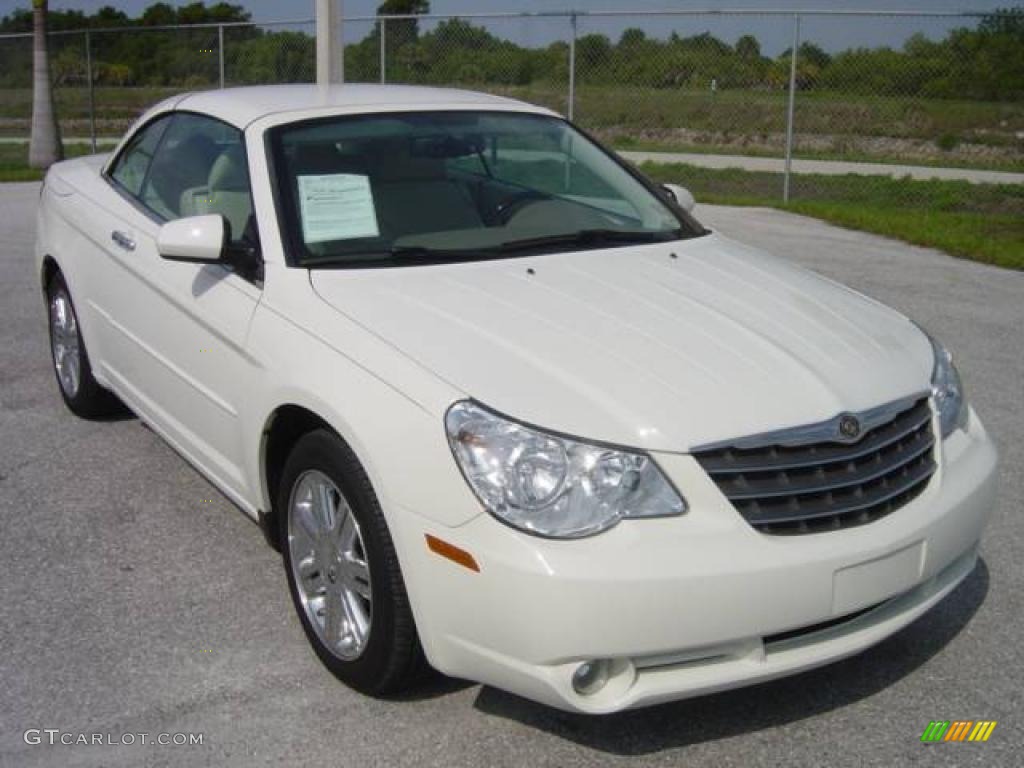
point(982, 222)
point(14, 161)
point(73, 102)
point(993, 239)
point(764, 111)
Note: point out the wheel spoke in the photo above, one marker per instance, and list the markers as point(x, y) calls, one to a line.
point(301, 534)
point(72, 364)
point(306, 519)
point(347, 530)
point(324, 502)
point(358, 621)
point(357, 576)
point(334, 617)
point(309, 569)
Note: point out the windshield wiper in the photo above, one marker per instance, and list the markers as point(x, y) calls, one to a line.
point(422, 254)
point(403, 253)
point(589, 237)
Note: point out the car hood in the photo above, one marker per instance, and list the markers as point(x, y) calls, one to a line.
point(662, 347)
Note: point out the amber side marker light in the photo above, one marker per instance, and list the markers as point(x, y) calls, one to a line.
point(453, 553)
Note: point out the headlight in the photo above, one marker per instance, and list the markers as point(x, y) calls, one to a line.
point(948, 391)
point(550, 485)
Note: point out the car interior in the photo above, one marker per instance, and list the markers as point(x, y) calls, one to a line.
point(201, 173)
point(225, 191)
point(438, 191)
point(425, 186)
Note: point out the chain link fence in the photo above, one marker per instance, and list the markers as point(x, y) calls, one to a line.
point(686, 94)
point(740, 106)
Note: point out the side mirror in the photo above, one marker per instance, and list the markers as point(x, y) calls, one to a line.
point(194, 239)
point(682, 196)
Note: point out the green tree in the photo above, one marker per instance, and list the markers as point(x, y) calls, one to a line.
point(198, 13)
point(108, 16)
point(401, 32)
point(632, 38)
point(159, 14)
point(1004, 21)
point(981, 62)
point(747, 47)
point(594, 50)
point(814, 54)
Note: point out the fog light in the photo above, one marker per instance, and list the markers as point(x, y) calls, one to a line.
point(591, 676)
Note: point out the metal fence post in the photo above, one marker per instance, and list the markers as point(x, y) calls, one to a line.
point(571, 109)
point(92, 93)
point(792, 103)
point(220, 52)
point(383, 51)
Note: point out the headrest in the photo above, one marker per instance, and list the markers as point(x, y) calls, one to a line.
point(229, 172)
point(320, 159)
point(393, 161)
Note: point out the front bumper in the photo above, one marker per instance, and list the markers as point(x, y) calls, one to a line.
point(694, 604)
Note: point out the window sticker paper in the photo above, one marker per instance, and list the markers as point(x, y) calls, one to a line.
point(337, 206)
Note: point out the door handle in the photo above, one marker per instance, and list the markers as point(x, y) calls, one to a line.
point(123, 240)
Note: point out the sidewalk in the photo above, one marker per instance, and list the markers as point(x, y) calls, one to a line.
point(826, 167)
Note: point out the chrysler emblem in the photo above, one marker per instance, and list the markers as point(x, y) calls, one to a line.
point(849, 427)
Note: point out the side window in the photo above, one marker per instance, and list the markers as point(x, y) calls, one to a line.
point(200, 168)
point(130, 169)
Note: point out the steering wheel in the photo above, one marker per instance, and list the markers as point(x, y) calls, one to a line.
point(510, 206)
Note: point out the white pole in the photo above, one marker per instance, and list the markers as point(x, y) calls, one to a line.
point(330, 50)
point(92, 91)
point(220, 52)
point(789, 108)
point(383, 50)
point(572, 68)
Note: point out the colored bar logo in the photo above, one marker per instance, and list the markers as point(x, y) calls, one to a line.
point(958, 730)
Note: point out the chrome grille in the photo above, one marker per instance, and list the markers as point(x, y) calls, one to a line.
point(785, 488)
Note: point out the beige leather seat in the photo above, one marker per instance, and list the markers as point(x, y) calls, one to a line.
point(226, 192)
point(414, 195)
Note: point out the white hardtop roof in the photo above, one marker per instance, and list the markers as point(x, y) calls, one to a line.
point(241, 106)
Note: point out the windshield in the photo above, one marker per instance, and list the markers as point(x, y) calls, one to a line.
point(407, 188)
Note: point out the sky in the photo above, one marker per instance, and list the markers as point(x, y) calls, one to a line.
point(774, 33)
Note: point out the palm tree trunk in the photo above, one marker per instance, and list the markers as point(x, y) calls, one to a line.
point(45, 146)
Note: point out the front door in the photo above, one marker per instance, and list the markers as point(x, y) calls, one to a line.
point(178, 331)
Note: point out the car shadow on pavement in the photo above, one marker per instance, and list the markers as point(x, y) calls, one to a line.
point(118, 412)
point(435, 686)
point(747, 710)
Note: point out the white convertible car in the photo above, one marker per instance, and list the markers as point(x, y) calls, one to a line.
point(507, 408)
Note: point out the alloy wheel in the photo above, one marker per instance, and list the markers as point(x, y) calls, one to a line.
point(329, 565)
point(67, 350)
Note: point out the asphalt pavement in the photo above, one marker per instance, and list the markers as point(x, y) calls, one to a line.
point(134, 598)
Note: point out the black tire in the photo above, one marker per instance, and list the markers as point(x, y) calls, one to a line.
point(392, 659)
point(86, 398)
